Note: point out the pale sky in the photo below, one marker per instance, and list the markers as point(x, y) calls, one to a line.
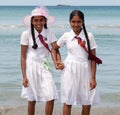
point(66, 2)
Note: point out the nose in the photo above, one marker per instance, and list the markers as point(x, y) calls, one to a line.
point(39, 22)
point(76, 24)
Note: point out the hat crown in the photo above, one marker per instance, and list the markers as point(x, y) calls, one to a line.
point(40, 11)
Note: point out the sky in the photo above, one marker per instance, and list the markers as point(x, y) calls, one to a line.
point(66, 2)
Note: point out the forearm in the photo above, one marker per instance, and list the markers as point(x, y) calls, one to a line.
point(93, 70)
point(58, 56)
point(23, 59)
point(55, 55)
point(93, 66)
point(23, 66)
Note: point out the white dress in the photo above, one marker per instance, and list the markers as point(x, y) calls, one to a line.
point(75, 77)
point(41, 86)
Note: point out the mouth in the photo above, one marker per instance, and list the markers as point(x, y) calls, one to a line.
point(76, 28)
point(38, 26)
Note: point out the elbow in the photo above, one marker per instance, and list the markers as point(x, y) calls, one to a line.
point(53, 50)
point(23, 58)
point(55, 46)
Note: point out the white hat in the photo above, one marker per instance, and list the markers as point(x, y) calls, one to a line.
point(39, 11)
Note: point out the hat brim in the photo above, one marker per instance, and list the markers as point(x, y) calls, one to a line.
point(27, 20)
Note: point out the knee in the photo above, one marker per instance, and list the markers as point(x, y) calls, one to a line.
point(32, 102)
point(50, 102)
point(67, 106)
point(86, 107)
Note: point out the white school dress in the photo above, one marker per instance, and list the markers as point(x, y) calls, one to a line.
point(75, 77)
point(41, 86)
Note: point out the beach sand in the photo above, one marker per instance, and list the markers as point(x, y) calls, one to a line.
point(22, 110)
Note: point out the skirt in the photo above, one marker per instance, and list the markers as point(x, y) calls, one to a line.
point(75, 84)
point(41, 86)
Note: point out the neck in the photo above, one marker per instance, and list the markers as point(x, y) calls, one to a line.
point(78, 32)
point(39, 31)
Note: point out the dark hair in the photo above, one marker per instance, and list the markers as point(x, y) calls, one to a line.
point(45, 26)
point(81, 15)
point(33, 33)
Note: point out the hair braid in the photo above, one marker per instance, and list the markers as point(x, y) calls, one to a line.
point(33, 37)
point(86, 35)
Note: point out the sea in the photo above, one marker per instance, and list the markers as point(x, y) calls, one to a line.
point(102, 21)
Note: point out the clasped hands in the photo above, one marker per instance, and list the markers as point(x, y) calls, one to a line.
point(59, 65)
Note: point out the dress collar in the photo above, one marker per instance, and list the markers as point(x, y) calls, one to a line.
point(42, 33)
point(81, 35)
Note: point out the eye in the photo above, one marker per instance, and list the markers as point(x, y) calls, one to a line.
point(72, 21)
point(41, 20)
point(35, 20)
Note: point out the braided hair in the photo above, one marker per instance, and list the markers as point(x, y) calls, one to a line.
point(33, 33)
point(81, 15)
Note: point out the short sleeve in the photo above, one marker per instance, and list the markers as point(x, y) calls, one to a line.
point(62, 41)
point(93, 44)
point(49, 34)
point(24, 40)
point(53, 37)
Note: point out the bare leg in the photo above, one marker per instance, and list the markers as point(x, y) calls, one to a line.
point(49, 107)
point(86, 109)
point(67, 109)
point(31, 107)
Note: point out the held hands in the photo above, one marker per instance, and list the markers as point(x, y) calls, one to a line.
point(59, 65)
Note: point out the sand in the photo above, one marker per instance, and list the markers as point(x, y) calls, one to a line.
point(22, 110)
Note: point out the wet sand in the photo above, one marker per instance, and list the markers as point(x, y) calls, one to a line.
point(22, 110)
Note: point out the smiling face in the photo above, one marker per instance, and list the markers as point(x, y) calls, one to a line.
point(76, 24)
point(38, 22)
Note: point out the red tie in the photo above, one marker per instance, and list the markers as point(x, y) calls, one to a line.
point(91, 56)
point(43, 42)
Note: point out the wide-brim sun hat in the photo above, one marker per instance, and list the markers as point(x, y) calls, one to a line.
point(39, 11)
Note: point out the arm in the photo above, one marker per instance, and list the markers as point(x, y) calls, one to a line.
point(56, 56)
point(23, 64)
point(93, 72)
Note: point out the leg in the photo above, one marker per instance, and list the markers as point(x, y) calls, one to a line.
point(67, 109)
point(31, 107)
point(49, 107)
point(86, 109)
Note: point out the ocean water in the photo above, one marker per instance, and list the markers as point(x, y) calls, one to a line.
point(102, 21)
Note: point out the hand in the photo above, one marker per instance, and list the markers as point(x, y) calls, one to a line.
point(25, 82)
point(59, 65)
point(92, 84)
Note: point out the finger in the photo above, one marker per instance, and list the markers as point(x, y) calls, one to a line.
point(26, 85)
point(57, 67)
point(92, 87)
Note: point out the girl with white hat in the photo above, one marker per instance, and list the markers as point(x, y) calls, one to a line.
point(38, 84)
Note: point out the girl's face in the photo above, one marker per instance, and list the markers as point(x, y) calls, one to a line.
point(38, 22)
point(76, 24)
